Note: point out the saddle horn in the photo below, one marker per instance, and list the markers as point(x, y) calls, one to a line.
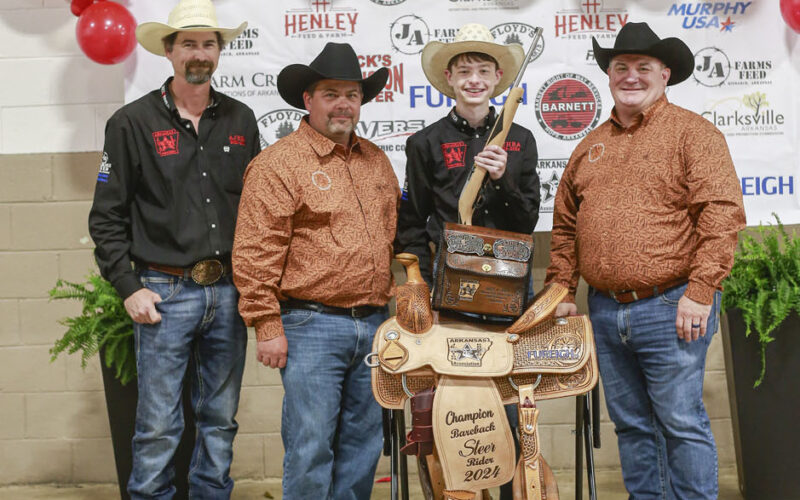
point(413, 298)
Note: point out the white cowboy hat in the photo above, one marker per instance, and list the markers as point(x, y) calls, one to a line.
point(471, 37)
point(188, 15)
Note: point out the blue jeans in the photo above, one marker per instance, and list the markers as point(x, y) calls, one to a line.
point(653, 383)
point(331, 424)
point(201, 322)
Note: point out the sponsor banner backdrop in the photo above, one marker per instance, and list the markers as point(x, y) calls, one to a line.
point(745, 81)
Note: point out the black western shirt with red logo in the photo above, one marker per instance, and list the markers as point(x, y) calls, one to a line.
point(438, 161)
point(167, 193)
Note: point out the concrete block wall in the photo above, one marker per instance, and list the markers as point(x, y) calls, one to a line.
point(53, 107)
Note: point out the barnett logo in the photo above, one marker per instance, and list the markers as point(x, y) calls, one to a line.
point(508, 33)
point(277, 124)
point(321, 20)
point(568, 106)
point(713, 69)
point(454, 153)
point(708, 15)
point(166, 142)
point(550, 172)
point(409, 34)
point(591, 18)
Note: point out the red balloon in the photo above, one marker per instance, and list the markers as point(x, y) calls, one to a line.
point(106, 32)
point(790, 10)
point(78, 6)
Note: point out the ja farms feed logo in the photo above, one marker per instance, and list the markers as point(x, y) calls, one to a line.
point(409, 34)
point(713, 68)
point(508, 33)
point(320, 20)
point(568, 106)
point(395, 83)
point(550, 172)
point(720, 16)
point(277, 124)
point(591, 20)
point(749, 115)
point(244, 44)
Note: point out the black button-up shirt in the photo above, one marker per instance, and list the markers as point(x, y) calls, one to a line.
point(438, 161)
point(167, 193)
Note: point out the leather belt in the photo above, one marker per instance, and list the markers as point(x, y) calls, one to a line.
point(628, 296)
point(354, 312)
point(204, 272)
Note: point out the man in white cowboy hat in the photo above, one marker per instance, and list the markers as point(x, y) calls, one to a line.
point(311, 258)
point(647, 212)
point(163, 221)
point(472, 69)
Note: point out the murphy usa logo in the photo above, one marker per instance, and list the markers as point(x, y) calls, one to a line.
point(748, 115)
point(593, 19)
point(719, 16)
point(320, 20)
point(713, 68)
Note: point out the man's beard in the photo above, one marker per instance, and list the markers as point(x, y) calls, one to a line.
point(339, 127)
point(199, 72)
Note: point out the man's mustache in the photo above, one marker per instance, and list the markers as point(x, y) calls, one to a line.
point(199, 64)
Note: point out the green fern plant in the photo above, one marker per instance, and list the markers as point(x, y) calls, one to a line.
point(765, 283)
point(103, 323)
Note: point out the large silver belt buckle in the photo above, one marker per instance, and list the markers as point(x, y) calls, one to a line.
point(207, 272)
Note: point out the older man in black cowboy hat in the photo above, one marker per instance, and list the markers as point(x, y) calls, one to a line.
point(647, 212)
point(311, 259)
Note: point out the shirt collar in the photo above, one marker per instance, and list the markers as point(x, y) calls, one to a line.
point(644, 117)
point(463, 125)
point(169, 102)
point(321, 144)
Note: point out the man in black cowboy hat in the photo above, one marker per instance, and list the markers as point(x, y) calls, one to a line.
point(647, 212)
point(311, 260)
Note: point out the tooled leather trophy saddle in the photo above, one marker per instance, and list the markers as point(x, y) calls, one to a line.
point(458, 375)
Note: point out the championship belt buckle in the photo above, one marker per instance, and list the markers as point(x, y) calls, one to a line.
point(207, 272)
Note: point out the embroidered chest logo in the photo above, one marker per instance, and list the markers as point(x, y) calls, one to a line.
point(512, 146)
point(105, 169)
point(454, 153)
point(236, 140)
point(467, 351)
point(321, 180)
point(166, 142)
point(596, 151)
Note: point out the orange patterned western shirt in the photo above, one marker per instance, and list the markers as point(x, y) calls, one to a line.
point(316, 222)
point(648, 204)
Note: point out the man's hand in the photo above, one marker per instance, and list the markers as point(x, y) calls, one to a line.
point(566, 309)
point(692, 318)
point(141, 306)
point(273, 352)
point(493, 160)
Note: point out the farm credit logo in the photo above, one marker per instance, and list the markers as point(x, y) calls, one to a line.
point(568, 106)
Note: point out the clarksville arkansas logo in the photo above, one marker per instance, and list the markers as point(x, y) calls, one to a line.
point(713, 68)
point(750, 114)
point(166, 142)
point(716, 16)
point(277, 124)
point(467, 351)
point(508, 33)
point(568, 106)
point(550, 171)
point(593, 18)
point(320, 20)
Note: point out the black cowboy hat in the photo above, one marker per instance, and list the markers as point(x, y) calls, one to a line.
point(638, 38)
point(337, 61)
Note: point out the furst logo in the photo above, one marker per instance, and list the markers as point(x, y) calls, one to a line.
point(277, 124)
point(767, 186)
point(713, 68)
point(550, 171)
point(435, 99)
point(567, 106)
point(708, 15)
point(321, 20)
point(508, 33)
point(591, 18)
point(371, 63)
point(749, 115)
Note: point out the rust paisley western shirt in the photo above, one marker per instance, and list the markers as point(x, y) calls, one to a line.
point(316, 222)
point(648, 204)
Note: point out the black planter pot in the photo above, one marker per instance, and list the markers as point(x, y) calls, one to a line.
point(765, 419)
point(121, 404)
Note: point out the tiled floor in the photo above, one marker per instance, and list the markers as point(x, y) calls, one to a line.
point(609, 487)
